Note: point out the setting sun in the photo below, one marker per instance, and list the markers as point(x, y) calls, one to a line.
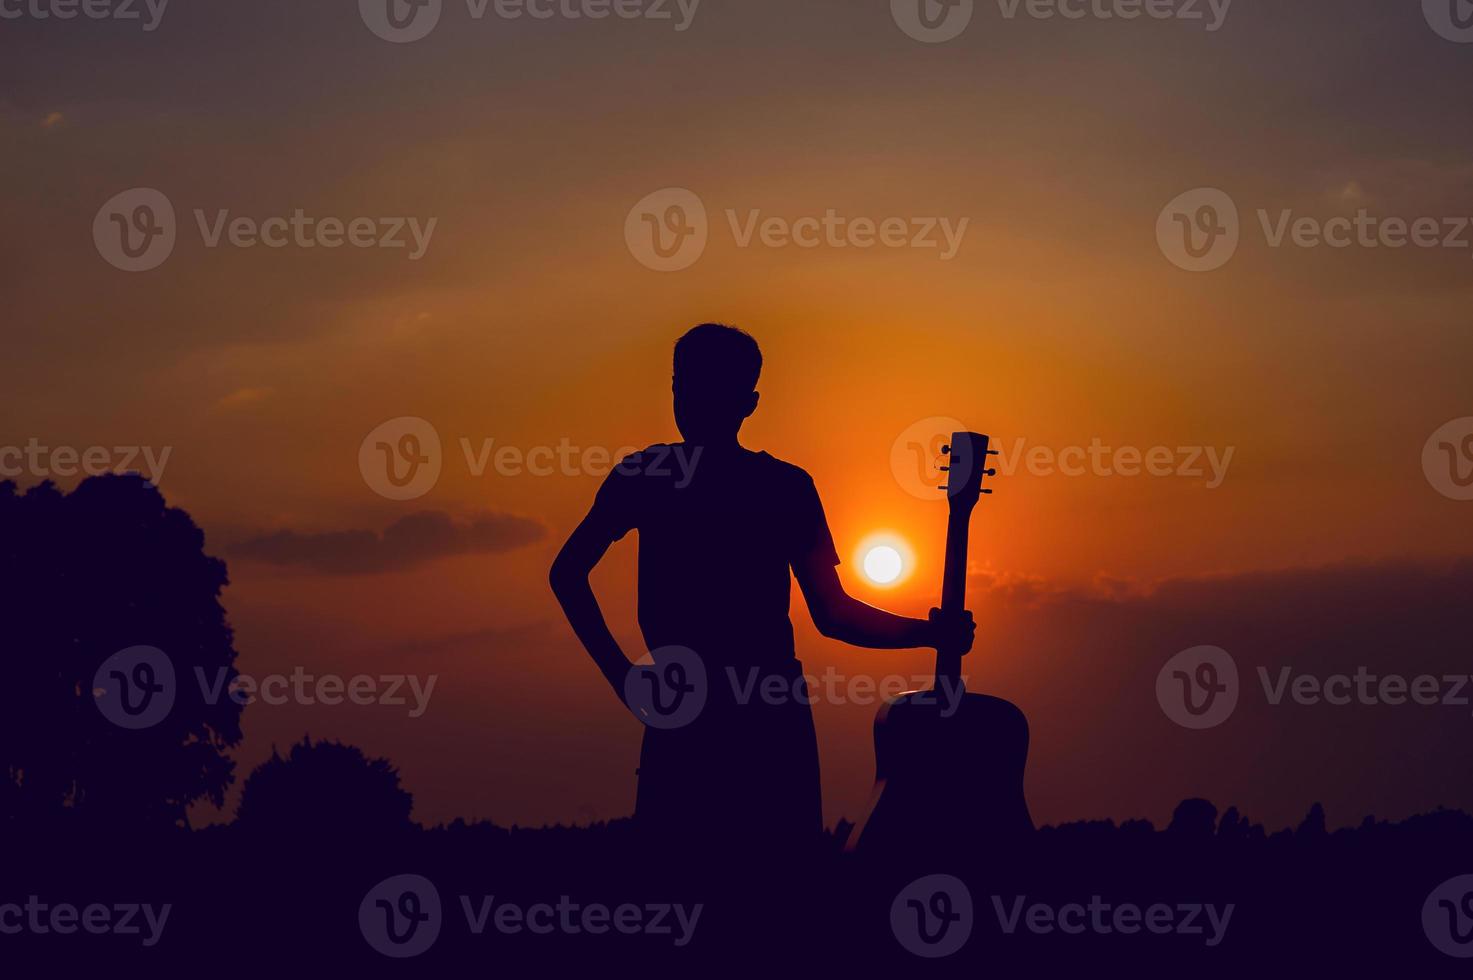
point(883, 565)
point(885, 559)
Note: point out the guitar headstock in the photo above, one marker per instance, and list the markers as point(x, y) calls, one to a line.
point(967, 468)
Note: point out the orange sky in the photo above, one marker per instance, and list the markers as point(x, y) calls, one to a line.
point(529, 322)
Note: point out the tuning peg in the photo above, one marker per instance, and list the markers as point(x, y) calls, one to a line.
point(986, 491)
point(946, 450)
point(994, 452)
point(989, 472)
point(945, 469)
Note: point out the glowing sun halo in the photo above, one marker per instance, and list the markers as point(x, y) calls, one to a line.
point(883, 564)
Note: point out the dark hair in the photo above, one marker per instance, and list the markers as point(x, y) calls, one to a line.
point(717, 356)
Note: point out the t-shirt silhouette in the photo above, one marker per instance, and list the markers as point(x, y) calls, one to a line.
point(718, 533)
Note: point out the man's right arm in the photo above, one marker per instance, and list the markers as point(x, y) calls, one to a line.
point(569, 578)
point(840, 616)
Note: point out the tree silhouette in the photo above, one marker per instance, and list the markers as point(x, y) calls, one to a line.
point(324, 788)
point(83, 576)
point(1193, 820)
point(1313, 825)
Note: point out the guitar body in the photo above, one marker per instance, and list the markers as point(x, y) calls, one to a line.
point(949, 764)
point(948, 776)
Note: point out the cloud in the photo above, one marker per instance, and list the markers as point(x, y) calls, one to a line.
point(1083, 665)
point(244, 396)
point(407, 543)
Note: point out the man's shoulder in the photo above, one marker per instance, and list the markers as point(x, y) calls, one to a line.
point(781, 469)
point(655, 466)
point(681, 463)
point(635, 460)
point(650, 457)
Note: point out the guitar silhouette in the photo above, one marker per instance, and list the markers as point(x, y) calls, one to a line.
point(948, 763)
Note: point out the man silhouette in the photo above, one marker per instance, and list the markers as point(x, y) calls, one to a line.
point(719, 528)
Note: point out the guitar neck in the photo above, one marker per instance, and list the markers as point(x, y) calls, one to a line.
point(954, 589)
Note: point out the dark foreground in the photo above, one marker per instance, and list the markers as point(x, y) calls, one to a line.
point(1208, 896)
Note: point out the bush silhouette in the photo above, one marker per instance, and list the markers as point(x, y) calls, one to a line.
point(324, 788)
point(1193, 820)
point(83, 576)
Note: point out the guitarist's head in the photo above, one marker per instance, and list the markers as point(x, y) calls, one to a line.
point(716, 371)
